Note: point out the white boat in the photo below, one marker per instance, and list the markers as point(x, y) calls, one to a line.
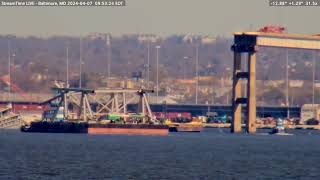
point(279, 129)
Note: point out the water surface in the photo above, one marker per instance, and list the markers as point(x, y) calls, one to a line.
point(213, 154)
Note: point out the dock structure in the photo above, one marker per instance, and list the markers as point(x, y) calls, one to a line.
point(248, 42)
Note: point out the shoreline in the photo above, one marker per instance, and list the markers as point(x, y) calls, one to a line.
point(228, 125)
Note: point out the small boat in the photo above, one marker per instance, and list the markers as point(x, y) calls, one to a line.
point(279, 129)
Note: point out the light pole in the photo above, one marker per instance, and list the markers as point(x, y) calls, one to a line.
point(197, 75)
point(157, 47)
point(184, 67)
point(212, 97)
point(313, 76)
point(67, 63)
point(108, 44)
point(80, 61)
point(9, 67)
point(148, 64)
point(287, 83)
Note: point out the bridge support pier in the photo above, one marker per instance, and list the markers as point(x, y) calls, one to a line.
point(250, 99)
point(251, 94)
point(236, 106)
point(246, 42)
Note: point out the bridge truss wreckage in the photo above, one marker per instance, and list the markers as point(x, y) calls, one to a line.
point(78, 104)
point(116, 101)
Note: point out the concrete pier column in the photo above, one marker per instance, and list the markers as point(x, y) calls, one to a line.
point(251, 94)
point(236, 94)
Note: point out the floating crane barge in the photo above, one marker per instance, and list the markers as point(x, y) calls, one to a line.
point(71, 112)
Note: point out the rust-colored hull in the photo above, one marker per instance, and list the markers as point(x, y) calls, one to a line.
point(128, 131)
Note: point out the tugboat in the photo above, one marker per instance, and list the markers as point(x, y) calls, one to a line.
point(279, 129)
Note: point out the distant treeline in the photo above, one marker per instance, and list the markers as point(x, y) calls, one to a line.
point(37, 61)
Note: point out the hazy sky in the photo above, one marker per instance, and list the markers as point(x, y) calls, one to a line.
point(163, 17)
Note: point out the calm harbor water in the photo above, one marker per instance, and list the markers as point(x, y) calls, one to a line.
point(213, 154)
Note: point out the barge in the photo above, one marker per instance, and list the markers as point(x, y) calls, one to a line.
point(96, 128)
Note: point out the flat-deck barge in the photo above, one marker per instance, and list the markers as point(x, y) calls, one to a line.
point(96, 128)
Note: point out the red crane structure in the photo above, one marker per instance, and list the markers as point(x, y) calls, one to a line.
point(272, 29)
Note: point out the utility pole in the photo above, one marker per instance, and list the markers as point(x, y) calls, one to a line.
point(80, 61)
point(313, 76)
point(108, 43)
point(67, 62)
point(197, 73)
point(287, 83)
point(148, 64)
point(9, 68)
point(213, 94)
point(157, 47)
point(185, 58)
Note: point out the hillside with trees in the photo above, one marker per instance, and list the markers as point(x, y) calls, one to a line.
point(36, 62)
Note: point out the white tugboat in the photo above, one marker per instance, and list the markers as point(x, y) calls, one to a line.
point(279, 129)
